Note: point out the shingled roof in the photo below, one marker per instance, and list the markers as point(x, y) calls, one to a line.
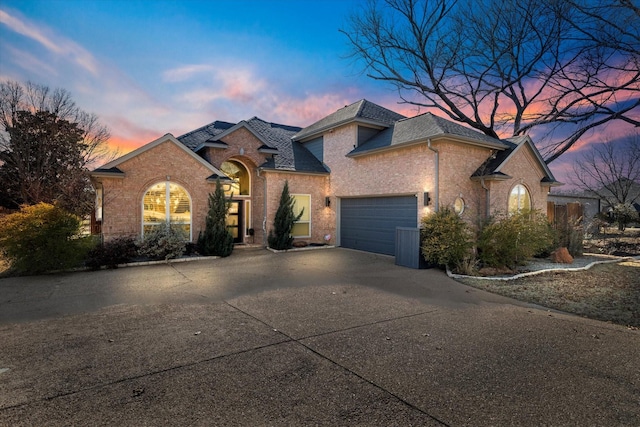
point(288, 155)
point(292, 156)
point(203, 134)
point(362, 111)
point(419, 129)
point(491, 169)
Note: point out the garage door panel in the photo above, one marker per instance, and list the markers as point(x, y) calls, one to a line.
point(369, 224)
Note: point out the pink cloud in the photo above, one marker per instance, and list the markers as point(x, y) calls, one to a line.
point(58, 45)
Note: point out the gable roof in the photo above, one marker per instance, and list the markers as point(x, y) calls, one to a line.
point(492, 168)
point(113, 165)
point(291, 155)
point(275, 139)
point(203, 134)
point(419, 129)
point(362, 111)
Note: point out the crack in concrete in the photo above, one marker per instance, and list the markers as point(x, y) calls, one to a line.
point(345, 368)
point(287, 339)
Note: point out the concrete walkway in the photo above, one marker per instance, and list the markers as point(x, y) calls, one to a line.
point(327, 337)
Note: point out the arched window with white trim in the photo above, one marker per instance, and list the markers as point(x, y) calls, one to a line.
point(519, 199)
point(166, 203)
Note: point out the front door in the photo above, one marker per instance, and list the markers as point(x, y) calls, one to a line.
point(234, 220)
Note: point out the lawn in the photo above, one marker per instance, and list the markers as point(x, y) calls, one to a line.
point(609, 292)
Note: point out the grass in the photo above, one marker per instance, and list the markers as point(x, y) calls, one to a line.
point(608, 292)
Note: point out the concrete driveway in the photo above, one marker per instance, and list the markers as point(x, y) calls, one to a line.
point(323, 337)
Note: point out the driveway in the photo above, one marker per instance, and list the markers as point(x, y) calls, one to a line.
point(322, 337)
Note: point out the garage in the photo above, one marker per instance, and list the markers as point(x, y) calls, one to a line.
point(369, 224)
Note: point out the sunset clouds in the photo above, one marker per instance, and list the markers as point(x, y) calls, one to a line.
point(147, 68)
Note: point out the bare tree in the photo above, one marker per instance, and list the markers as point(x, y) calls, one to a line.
point(610, 171)
point(47, 144)
point(507, 68)
point(16, 96)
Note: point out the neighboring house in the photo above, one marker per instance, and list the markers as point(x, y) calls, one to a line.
point(358, 173)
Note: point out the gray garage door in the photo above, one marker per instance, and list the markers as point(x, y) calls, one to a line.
point(369, 224)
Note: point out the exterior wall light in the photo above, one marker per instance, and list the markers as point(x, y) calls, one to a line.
point(327, 201)
point(427, 199)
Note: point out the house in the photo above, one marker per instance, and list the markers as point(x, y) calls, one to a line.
point(358, 173)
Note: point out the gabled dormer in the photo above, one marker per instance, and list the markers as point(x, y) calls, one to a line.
point(369, 118)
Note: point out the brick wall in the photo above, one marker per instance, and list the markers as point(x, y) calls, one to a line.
point(122, 197)
point(243, 147)
point(409, 170)
point(322, 217)
point(525, 170)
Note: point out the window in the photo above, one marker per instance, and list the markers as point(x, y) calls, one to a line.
point(302, 227)
point(240, 176)
point(166, 202)
point(519, 199)
point(458, 205)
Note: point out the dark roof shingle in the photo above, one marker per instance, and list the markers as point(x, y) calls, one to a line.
point(363, 110)
point(420, 128)
point(203, 134)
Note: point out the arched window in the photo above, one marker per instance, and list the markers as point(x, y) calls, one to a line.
point(459, 205)
point(519, 199)
point(166, 202)
point(241, 184)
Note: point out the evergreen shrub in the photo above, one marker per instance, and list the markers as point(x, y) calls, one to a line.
point(216, 239)
point(446, 239)
point(113, 252)
point(280, 235)
point(42, 237)
point(512, 239)
point(163, 242)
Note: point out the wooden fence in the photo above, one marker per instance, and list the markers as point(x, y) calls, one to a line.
point(561, 216)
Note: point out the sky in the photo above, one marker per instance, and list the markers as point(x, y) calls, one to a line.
point(147, 68)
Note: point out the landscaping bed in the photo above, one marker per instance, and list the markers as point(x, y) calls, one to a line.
point(608, 292)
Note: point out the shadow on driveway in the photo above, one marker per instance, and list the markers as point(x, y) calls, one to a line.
point(327, 337)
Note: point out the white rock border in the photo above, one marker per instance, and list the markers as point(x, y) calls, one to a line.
point(534, 273)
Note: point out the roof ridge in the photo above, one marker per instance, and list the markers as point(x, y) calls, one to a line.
point(204, 126)
point(362, 102)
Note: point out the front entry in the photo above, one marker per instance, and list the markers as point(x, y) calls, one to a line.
point(234, 220)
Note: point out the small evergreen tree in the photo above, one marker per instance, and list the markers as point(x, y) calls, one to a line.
point(280, 235)
point(216, 239)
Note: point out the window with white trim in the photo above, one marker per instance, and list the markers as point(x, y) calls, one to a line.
point(166, 202)
point(302, 227)
point(519, 199)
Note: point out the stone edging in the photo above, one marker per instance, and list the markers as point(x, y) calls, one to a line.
point(306, 248)
point(534, 273)
point(166, 261)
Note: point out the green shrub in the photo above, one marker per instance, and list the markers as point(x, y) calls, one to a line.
point(280, 236)
point(163, 242)
point(113, 252)
point(446, 239)
point(216, 239)
point(41, 238)
point(513, 239)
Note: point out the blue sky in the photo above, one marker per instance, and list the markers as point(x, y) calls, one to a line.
point(147, 68)
point(152, 67)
